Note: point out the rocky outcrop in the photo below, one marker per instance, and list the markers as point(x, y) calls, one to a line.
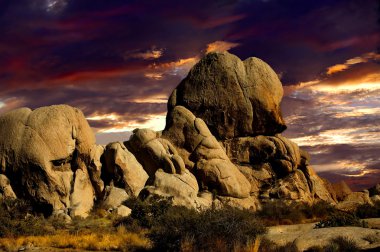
point(278, 168)
point(305, 236)
point(375, 190)
point(221, 146)
point(6, 191)
point(353, 200)
point(235, 98)
point(45, 154)
point(204, 155)
point(123, 169)
point(182, 188)
point(154, 152)
point(342, 190)
point(114, 197)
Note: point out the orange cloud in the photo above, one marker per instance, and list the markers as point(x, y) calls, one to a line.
point(220, 46)
point(336, 68)
point(361, 59)
point(153, 53)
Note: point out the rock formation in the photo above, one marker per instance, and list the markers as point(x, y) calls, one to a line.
point(235, 98)
point(221, 145)
point(45, 154)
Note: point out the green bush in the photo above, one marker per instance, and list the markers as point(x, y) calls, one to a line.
point(340, 219)
point(279, 212)
point(145, 213)
point(174, 228)
point(234, 227)
point(368, 211)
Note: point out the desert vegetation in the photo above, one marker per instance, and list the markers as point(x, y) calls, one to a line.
point(157, 225)
point(22, 228)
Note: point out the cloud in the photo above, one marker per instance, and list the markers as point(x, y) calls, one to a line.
point(357, 60)
point(220, 46)
point(153, 53)
point(336, 119)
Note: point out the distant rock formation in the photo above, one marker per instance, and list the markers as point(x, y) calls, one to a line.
point(221, 145)
point(342, 190)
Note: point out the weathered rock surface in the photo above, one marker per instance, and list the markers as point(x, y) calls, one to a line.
point(182, 188)
point(254, 86)
point(122, 168)
point(322, 237)
point(154, 152)
point(204, 155)
point(282, 154)
point(114, 197)
point(286, 170)
point(45, 152)
point(353, 200)
point(6, 191)
point(342, 190)
point(304, 236)
point(123, 211)
point(95, 170)
point(221, 146)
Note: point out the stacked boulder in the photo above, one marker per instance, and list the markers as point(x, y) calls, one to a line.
point(240, 103)
point(222, 144)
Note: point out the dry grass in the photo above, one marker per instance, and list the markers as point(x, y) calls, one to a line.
point(120, 240)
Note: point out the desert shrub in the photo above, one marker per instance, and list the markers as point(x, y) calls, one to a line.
point(372, 238)
point(321, 209)
point(174, 228)
point(145, 213)
point(17, 218)
point(341, 243)
point(226, 227)
point(368, 211)
point(278, 213)
point(281, 213)
point(340, 219)
point(269, 246)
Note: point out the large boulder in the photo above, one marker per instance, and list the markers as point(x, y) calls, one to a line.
point(342, 190)
point(282, 154)
point(322, 237)
point(305, 236)
point(122, 169)
point(95, 170)
point(374, 190)
point(45, 154)
point(6, 191)
point(235, 98)
point(182, 188)
point(352, 201)
point(114, 197)
point(154, 152)
point(203, 154)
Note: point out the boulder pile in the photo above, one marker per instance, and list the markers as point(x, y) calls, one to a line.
point(222, 144)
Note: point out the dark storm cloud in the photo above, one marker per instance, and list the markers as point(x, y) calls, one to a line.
point(302, 38)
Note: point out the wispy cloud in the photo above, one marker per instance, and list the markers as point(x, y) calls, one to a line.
point(357, 60)
point(220, 46)
point(153, 53)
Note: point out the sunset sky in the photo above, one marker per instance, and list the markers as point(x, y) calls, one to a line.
point(119, 60)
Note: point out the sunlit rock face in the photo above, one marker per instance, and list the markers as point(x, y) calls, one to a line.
point(235, 98)
point(239, 103)
point(221, 146)
point(45, 154)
